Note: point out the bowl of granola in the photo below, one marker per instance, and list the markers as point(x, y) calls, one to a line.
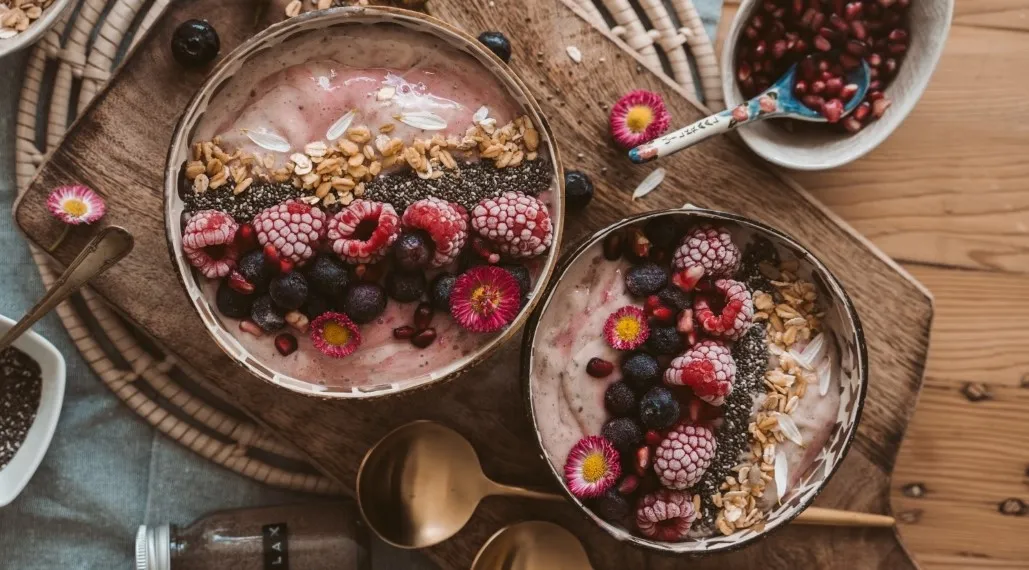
point(361, 201)
point(25, 21)
point(694, 378)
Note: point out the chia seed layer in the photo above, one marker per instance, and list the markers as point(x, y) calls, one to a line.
point(757, 251)
point(732, 441)
point(20, 390)
point(751, 356)
point(467, 186)
point(244, 206)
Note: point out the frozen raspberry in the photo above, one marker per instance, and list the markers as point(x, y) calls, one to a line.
point(725, 310)
point(445, 222)
point(292, 227)
point(683, 456)
point(363, 231)
point(665, 515)
point(708, 368)
point(208, 243)
point(517, 224)
point(706, 251)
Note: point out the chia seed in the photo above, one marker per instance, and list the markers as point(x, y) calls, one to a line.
point(757, 251)
point(244, 206)
point(751, 356)
point(732, 441)
point(20, 389)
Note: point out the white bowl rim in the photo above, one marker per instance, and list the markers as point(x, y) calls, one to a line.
point(35, 30)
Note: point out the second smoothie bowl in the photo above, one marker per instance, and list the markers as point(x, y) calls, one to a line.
point(361, 201)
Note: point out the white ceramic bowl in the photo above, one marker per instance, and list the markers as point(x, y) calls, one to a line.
point(16, 475)
point(35, 30)
point(818, 149)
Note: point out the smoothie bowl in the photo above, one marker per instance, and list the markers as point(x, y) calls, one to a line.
point(362, 201)
point(694, 379)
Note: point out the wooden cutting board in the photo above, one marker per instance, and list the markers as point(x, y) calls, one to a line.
point(119, 148)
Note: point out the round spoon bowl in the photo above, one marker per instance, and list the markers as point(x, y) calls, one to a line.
point(532, 545)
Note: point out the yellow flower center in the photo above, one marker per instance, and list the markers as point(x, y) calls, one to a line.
point(594, 467)
point(75, 207)
point(336, 334)
point(485, 299)
point(627, 328)
point(639, 118)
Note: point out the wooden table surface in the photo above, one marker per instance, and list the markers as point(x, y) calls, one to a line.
point(948, 196)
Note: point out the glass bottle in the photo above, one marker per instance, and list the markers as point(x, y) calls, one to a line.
point(313, 536)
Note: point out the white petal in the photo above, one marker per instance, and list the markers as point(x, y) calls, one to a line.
point(423, 120)
point(781, 474)
point(649, 183)
point(480, 115)
point(815, 350)
point(574, 53)
point(341, 125)
point(789, 429)
point(269, 141)
point(827, 368)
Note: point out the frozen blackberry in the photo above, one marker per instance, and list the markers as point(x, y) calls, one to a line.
point(254, 269)
point(497, 43)
point(231, 303)
point(620, 400)
point(441, 287)
point(664, 340)
point(662, 232)
point(413, 250)
point(364, 302)
point(612, 506)
point(521, 275)
point(578, 189)
point(646, 279)
point(640, 371)
point(624, 434)
point(675, 298)
point(267, 315)
point(289, 291)
point(405, 286)
point(316, 306)
point(328, 276)
point(659, 409)
point(195, 43)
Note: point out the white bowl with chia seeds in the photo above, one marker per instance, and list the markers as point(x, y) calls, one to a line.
point(33, 443)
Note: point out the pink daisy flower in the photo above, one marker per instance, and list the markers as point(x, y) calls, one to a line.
point(638, 117)
point(485, 299)
point(592, 467)
point(76, 204)
point(626, 328)
point(335, 335)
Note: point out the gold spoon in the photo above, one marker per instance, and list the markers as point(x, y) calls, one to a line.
point(421, 483)
point(532, 545)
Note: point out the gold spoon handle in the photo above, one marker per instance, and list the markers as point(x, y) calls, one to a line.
point(109, 246)
point(833, 517)
point(495, 488)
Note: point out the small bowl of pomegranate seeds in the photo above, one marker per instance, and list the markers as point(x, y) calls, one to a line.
point(694, 379)
point(900, 40)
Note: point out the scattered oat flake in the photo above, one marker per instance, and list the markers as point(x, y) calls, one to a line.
point(341, 125)
point(269, 141)
point(781, 474)
point(652, 181)
point(481, 114)
point(574, 53)
point(422, 120)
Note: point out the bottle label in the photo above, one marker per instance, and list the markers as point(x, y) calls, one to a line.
point(276, 546)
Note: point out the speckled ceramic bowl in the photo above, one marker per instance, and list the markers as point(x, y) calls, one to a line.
point(341, 19)
point(850, 369)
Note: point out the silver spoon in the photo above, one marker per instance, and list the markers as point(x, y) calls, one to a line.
point(776, 102)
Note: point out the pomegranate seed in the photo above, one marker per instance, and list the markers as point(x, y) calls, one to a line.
point(873, 73)
point(857, 47)
point(875, 60)
point(751, 33)
point(823, 65)
point(898, 35)
point(879, 107)
point(652, 302)
point(246, 238)
point(687, 279)
point(827, 33)
point(849, 62)
point(779, 49)
point(852, 10)
point(424, 338)
point(613, 244)
point(808, 17)
point(800, 88)
point(813, 102)
point(758, 22)
point(898, 48)
point(822, 44)
point(833, 86)
point(271, 257)
point(769, 6)
point(759, 48)
point(807, 68)
point(653, 437)
point(818, 87)
point(832, 110)
point(598, 367)
point(890, 66)
point(251, 328)
point(800, 46)
point(663, 314)
point(484, 250)
point(629, 484)
point(403, 333)
point(423, 316)
point(862, 111)
point(285, 266)
point(852, 125)
point(758, 67)
point(874, 95)
point(778, 14)
point(798, 7)
point(839, 23)
point(875, 85)
point(858, 29)
point(286, 344)
point(239, 284)
point(642, 461)
point(817, 21)
point(743, 71)
point(848, 91)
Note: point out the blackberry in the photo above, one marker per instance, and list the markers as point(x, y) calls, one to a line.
point(231, 303)
point(620, 400)
point(413, 250)
point(267, 315)
point(195, 43)
point(405, 286)
point(289, 291)
point(254, 269)
point(664, 340)
point(578, 189)
point(640, 371)
point(316, 306)
point(441, 287)
point(659, 409)
point(624, 434)
point(521, 275)
point(612, 507)
point(675, 297)
point(645, 279)
point(364, 302)
point(662, 232)
point(328, 276)
point(498, 44)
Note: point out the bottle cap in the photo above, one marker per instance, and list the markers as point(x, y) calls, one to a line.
point(153, 547)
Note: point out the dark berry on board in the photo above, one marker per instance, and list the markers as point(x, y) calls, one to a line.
point(578, 189)
point(646, 279)
point(267, 315)
point(640, 371)
point(675, 297)
point(316, 306)
point(364, 302)
point(497, 43)
point(521, 275)
point(612, 506)
point(623, 433)
point(599, 368)
point(231, 303)
point(659, 409)
point(664, 340)
point(413, 250)
point(405, 286)
point(441, 287)
point(255, 270)
point(286, 344)
point(289, 291)
point(620, 400)
point(328, 276)
point(195, 43)
point(662, 232)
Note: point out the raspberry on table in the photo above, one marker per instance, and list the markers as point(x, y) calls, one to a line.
point(292, 227)
point(725, 310)
point(445, 222)
point(207, 242)
point(709, 248)
point(708, 368)
point(519, 225)
point(363, 231)
point(683, 456)
point(665, 515)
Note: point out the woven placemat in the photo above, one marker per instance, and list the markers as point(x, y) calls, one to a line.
point(66, 70)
